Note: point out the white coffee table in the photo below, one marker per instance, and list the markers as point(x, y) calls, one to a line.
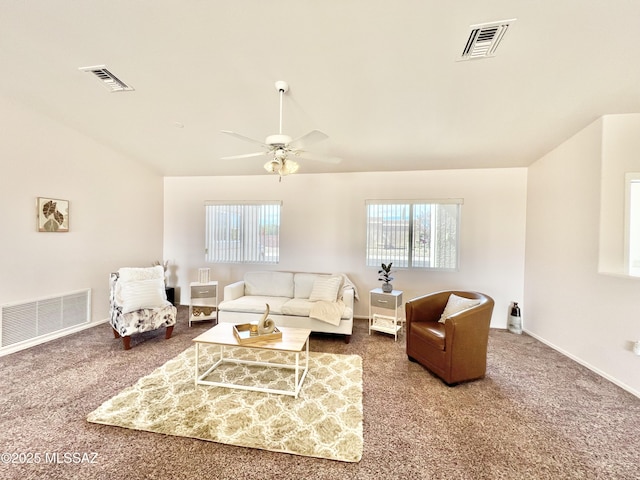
point(294, 340)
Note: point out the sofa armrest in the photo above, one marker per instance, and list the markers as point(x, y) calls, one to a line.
point(347, 297)
point(234, 290)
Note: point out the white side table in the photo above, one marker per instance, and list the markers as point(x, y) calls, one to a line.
point(204, 302)
point(390, 321)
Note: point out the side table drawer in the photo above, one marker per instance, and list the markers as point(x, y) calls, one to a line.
point(385, 301)
point(203, 291)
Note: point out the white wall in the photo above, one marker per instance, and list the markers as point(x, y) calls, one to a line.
point(323, 227)
point(115, 211)
point(620, 154)
point(593, 318)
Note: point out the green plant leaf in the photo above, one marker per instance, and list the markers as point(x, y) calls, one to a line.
point(49, 208)
point(51, 225)
point(58, 217)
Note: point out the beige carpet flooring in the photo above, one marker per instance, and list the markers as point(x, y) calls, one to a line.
point(325, 421)
point(537, 415)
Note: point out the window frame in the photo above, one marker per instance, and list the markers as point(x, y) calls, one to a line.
point(632, 224)
point(409, 261)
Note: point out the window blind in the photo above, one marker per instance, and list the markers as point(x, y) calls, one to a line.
point(239, 232)
point(413, 233)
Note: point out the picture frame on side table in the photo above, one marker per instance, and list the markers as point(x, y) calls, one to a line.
point(52, 215)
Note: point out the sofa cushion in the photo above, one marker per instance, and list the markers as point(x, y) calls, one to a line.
point(325, 289)
point(430, 332)
point(300, 307)
point(254, 304)
point(271, 284)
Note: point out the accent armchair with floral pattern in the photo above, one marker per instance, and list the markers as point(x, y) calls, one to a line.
point(138, 303)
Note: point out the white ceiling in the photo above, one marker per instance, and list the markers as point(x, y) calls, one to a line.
point(381, 78)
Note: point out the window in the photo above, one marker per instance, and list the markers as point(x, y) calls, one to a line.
point(242, 232)
point(633, 223)
point(414, 234)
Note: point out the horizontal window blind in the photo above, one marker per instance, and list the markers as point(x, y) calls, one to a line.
point(413, 233)
point(242, 232)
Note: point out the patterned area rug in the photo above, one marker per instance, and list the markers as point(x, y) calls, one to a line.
point(325, 421)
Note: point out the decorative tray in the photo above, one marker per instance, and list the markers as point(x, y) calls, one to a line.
point(243, 331)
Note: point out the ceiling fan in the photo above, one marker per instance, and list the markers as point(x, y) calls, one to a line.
point(280, 148)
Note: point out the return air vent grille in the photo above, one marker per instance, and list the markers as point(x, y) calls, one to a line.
point(107, 79)
point(484, 39)
point(29, 323)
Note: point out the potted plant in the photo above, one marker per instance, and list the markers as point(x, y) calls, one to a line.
point(384, 275)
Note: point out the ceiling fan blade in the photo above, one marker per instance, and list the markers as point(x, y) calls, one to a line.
point(242, 137)
point(315, 157)
point(246, 155)
point(314, 136)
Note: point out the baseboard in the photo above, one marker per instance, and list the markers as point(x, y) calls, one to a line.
point(608, 377)
point(47, 338)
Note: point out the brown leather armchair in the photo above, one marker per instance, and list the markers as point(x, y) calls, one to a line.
point(456, 350)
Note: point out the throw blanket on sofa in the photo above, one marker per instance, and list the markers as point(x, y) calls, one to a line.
point(329, 312)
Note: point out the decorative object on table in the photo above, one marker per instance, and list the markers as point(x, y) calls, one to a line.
point(249, 333)
point(53, 215)
point(266, 325)
point(332, 391)
point(203, 275)
point(196, 311)
point(384, 275)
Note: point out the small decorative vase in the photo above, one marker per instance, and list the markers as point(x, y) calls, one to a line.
point(387, 287)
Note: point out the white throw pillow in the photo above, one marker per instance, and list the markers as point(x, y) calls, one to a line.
point(457, 304)
point(130, 274)
point(326, 289)
point(141, 294)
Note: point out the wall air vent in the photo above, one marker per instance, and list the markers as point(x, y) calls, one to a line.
point(484, 39)
point(108, 79)
point(29, 323)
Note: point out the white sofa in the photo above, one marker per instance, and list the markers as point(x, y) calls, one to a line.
point(319, 302)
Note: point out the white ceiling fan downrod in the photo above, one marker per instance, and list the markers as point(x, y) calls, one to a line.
point(280, 139)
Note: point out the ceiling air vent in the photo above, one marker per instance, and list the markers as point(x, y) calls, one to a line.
point(108, 79)
point(484, 39)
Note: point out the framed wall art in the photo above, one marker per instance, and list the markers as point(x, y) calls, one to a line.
point(53, 215)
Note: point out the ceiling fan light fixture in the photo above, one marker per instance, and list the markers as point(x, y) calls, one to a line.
point(289, 167)
point(279, 147)
point(280, 154)
point(273, 166)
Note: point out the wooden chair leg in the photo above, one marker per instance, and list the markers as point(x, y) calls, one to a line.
point(347, 338)
point(169, 332)
point(126, 342)
point(115, 333)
